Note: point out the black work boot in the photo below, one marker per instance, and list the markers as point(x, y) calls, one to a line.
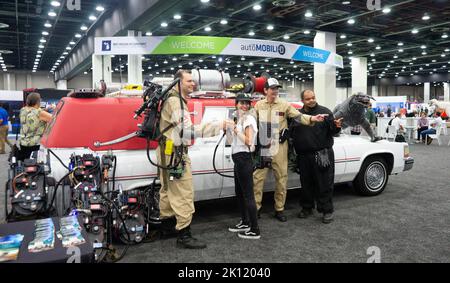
point(327, 218)
point(305, 213)
point(186, 241)
point(280, 216)
point(168, 228)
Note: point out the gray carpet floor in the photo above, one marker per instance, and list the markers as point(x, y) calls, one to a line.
point(408, 222)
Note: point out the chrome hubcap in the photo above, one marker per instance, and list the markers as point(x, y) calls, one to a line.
point(375, 176)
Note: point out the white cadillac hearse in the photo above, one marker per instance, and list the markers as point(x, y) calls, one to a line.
point(80, 124)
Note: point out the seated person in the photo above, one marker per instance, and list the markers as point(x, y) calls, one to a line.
point(422, 125)
point(397, 123)
point(434, 124)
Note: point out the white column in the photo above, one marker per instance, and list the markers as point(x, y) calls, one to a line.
point(134, 65)
point(61, 84)
point(446, 91)
point(375, 90)
point(426, 92)
point(325, 75)
point(359, 75)
point(101, 70)
point(29, 81)
point(9, 81)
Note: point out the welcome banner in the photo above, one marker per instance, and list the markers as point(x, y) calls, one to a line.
point(173, 45)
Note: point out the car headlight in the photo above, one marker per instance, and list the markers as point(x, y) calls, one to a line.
point(406, 151)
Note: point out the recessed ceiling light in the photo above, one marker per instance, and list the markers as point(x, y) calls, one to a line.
point(423, 47)
point(424, 53)
point(426, 17)
point(343, 36)
point(92, 18)
point(308, 14)
point(148, 33)
point(208, 29)
point(414, 31)
point(66, 53)
point(370, 40)
point(78, 35)
point(68, 48)
point(386, 10)
point(351, 21)
point(100, 8)
point(45, 33)
point(83, 28)
point(41, 46)
point(286, 37)
point(52, 14)
point(306, 32)
point(270, 27)
point(39, 52)
point(378, 47)
point(164, 24)
point(444, 35)
point(43, 40)
point(223, 22)
point(345, 2)
point(177, 17)
point(257, 7)
point(400, 50)
point(400, 44)
point(251, 33)
point(47, 25)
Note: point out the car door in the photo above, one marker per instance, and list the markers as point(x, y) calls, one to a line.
point(340, 159)
point(207, 183)
point(228, 164)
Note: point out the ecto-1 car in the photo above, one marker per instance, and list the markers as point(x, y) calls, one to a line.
point(85, 125)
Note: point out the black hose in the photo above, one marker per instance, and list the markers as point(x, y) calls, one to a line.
point(157, 165)
point(56, 190)
point(114, 173)
point(59, 159)
point(214, 159)
point(124, 226)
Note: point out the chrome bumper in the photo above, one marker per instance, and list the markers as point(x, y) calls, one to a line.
point(408, 164)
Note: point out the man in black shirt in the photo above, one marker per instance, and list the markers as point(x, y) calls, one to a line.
point(314, 148)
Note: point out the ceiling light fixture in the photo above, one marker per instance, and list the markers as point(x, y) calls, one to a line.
point(257, 7)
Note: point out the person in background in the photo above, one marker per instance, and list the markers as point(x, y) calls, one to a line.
point(371, 117)
point(422, 125)
point(389, 111)
point(4, 128)
point(397, 123)
point(34, 121)
point(244, 137)
point(434, 124)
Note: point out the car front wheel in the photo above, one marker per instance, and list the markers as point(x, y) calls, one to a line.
point(372, 177)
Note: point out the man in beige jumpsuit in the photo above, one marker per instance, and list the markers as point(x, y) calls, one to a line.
point(177, 193)
point(275, 111)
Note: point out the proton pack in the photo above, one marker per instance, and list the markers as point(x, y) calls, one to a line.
point(28, 189)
